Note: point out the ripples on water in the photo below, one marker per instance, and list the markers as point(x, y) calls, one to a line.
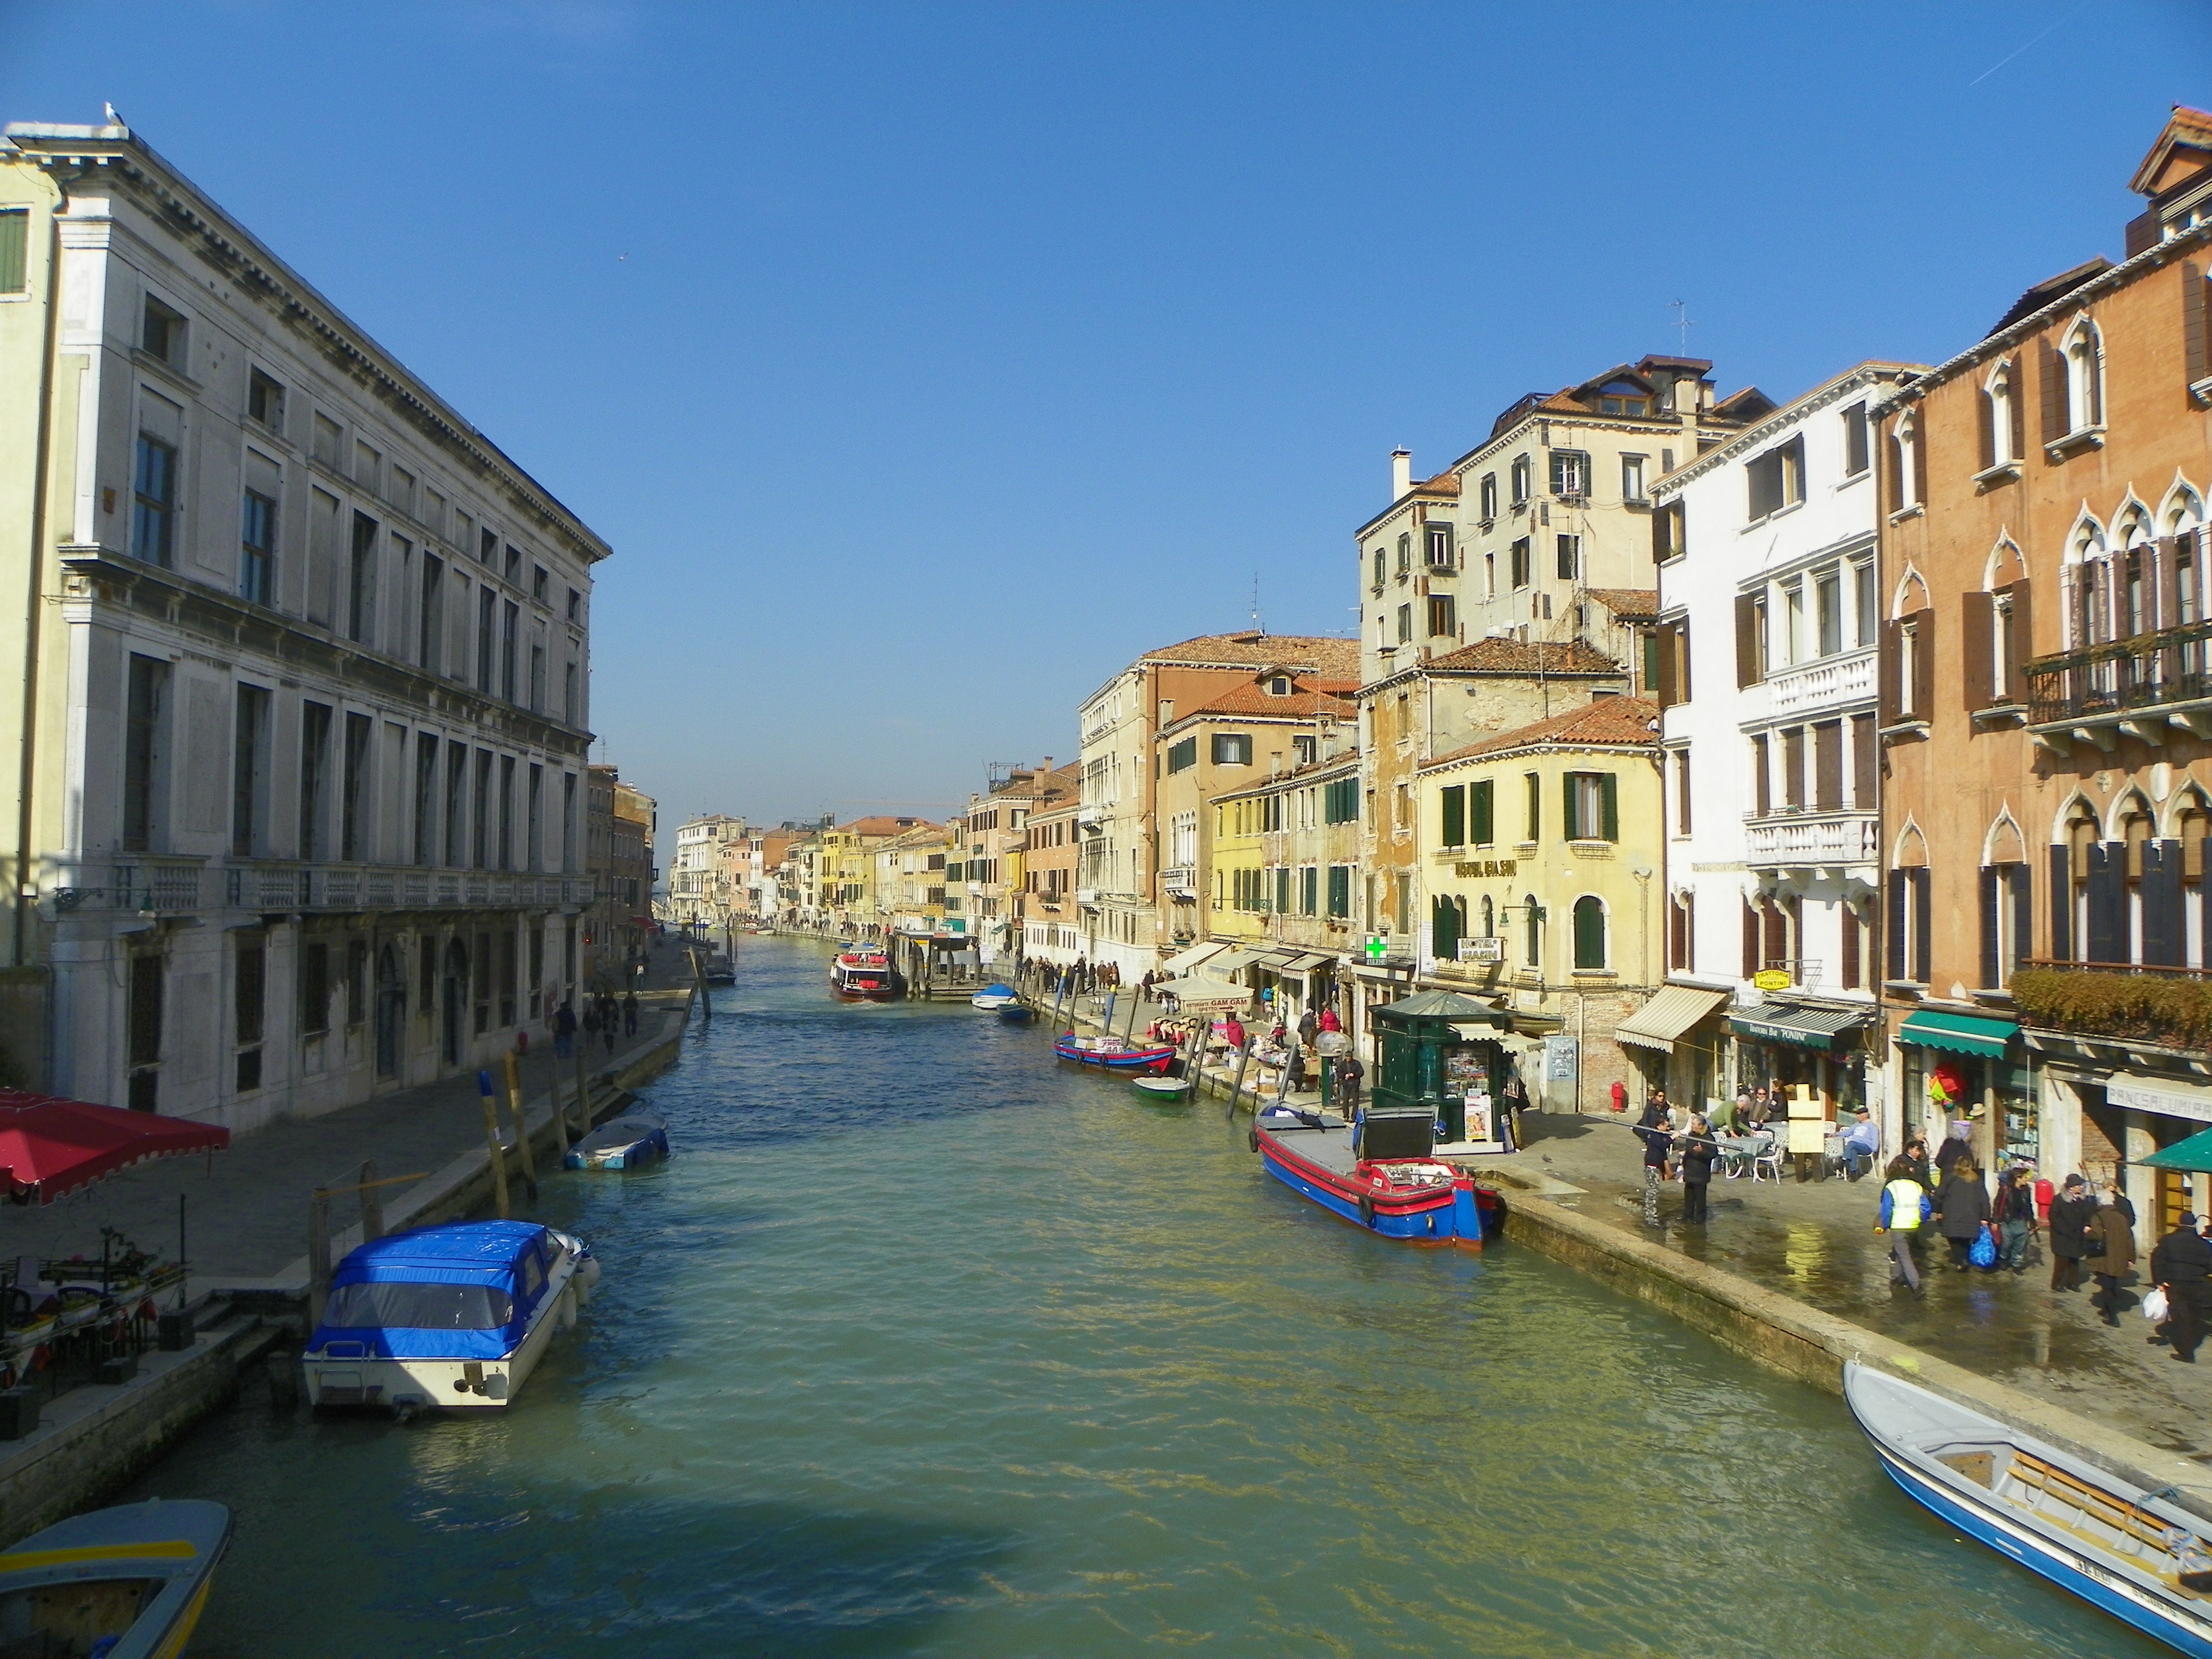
point(919, 1346)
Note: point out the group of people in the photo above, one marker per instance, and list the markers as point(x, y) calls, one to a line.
point(604, 1016)
point(1080, 977)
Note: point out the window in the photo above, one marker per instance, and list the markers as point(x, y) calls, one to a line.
point(1520, 477)
point(1762, 777)
point(356, 980)
point(1865, 760)
point(1232, 749)
point(1903, 453)
point(1570, 474)
point(1589, 934)
point(1624, 405)
point(154, 510)
point(1592, 807)
point(1489, 575)
point(1453, 796)
point(1793, 624)
point(352, 830)
point(1570, 558)
point(367, 464)
point(1857, 452)
point(538, 581)
point(315, 758)
point(1869, 628)
point(1793, 767)
point(401, 490)
point(264, 400)
point(1533, 951)
point(2081, 388)
point(426, 799)
point(510, 623)
point(324, 446)
point(571, 707)
point(1681, 792)
point(314, 989)
point(1310, 890)
point(487, 612)
point(1304, 748)
point(162, 332)
point(1827, 766)
point(1339, 801)
point(1535, 784)
point(430, 622)
point(1340, 891)
point(480, 847)
point(1519, 560)
point(575, 606)
point(2000, 413)
point(1381, 568)
point(1444, 616)
point(1405, 553)
point(457, 804)
point(1776, 478)
point(1828, 610)
point(513, 565)
point(1183, 756)
point(1668, 527)
point(361, 589)
point(1911, 911)
point(1488, 495)
point(505, 854)
point(1631, 479)
point(145, 767)
point(249, 771)
point(257, 555)
point(1278, 685)
point(2007, 923)
point(249, 1007)
point(14, 250)
point(487, 549)
point(1405, 624)
point(1439, 545)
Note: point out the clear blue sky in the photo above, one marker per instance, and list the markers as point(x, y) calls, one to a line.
point(961, 353)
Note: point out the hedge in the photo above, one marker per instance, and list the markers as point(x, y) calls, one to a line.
point(2175, 1013)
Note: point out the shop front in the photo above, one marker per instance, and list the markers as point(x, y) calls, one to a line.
point(2152, 1119)
point(1443, 1053)
point(1678, 1041)
point(1974, 1069)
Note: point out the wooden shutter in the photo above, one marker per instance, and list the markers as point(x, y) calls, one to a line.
point(1848, 920)
point(1665, 635)
point(2023, 641)
point(1828, 766)
point(1924, 662)
point(1454, 797)
point(1919, 459)
point(1609, 794)
point(1990, 924)
point(1977, 644)
point(1682, 660)
point(1747, 639)
point(2196, 347)
point(1924, 918)
point(2166, 559)
point(2164, 942)
point(2108, 901)
point(1762, 788)
point(2023, 919)
point(1568, 791)
point(1866, 749)
point(2061, 904)
point(1479, 798)
point(1777, 937)
point(1894, 940)
point(1750, 940)
point(1892, 648)
point(1535, 807)
point(2050, 376)
point(1793, 766)
point(1985, 418)
point(2016, 380)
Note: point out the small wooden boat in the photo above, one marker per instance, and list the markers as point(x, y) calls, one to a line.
point(865, 975)
point(719, 970)
point(1016, 1013)
point(127, 1582)
point(2129, 1551)
point(621, 1143)
point(446, 1318)
point(1112, 1053)
point(1167, 1090)
point(1386, 1180)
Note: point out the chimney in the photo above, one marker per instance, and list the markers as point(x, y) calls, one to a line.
point(1401, 472)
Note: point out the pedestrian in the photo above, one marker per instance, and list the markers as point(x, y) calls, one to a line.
point(608, 1019)
point(1308, 1027)
point(2120, 1201)
point(564, 1031)
point(2070, 1228)
point(590, 1021)
point(1329, 1022)
point(1916, 1154)
point(1905, 1206)
point(1952, 1148)
point(1349, 1076)
point(1699, 1150)
point(1232, 1033)
point(1294, 1071)
point(1963, 1203)
point(1658, 1140)
point(2181, 1265)
point(1762, 1108)
point(2112, 1254)
point(630, 1015)
point(2016, 1222)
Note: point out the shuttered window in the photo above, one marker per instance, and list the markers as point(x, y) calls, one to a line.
point(14, 250)
point(1592, 807)
point(1454, 798)
point(1479, 813)
point(1589, 934)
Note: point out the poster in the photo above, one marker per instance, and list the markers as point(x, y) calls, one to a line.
point(1561, 1063)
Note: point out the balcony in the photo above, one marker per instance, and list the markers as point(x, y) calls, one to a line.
point(147, 884)
point(2120, 1005)
point(1813, 839)
point(1180, 880)
point(157, 883)
point(2139, 688)
point(1829, 682)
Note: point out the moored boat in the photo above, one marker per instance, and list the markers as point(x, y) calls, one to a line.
point(2128, 1551)
point(1165, 1089)
point(446, 1318)
point(621, 1143)
point(1016, 1013)
point(127, 1582)
point(1383, 1176)
point(863, 976)
point(1111, 1054)
point(993, 997)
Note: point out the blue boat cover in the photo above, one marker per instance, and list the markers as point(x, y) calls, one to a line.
point(461, 1291)
point(996, 991)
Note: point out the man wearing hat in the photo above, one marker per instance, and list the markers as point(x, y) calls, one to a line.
point(2181, 1265)
point(1862, 1143)
point(2071, 1212)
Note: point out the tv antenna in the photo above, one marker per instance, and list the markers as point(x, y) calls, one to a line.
point(1683, 322)
point(1256, 626)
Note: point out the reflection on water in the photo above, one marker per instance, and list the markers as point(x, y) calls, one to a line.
point(919, 1346)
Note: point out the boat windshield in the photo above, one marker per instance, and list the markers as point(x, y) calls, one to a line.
point(419, 1307)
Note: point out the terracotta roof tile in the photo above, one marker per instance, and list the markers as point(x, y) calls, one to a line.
point(1636, 604)
point(1504, 656)
point(1302, 704)
point(1444, 484)
point(1621, 720)
point(1337, 658)
point(884, 826)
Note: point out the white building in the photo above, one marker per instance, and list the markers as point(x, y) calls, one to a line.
point(1771, 608)
point(700, 889)
point(310, 671)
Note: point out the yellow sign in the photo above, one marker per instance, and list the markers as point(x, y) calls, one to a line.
point(1771, 978)
point(1478, 867)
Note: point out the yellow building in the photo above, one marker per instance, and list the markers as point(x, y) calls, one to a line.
point(1543, 845)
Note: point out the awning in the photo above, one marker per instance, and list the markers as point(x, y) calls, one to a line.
point(1447, 1005)
point(2194, 1154)
point(1234, 961)
point(1193, 995)
point(1188, 961)
point(1672, 1009)
point(1965, 1034)
point(1304, 963)
point(50, 1147)
point(1808, 1028)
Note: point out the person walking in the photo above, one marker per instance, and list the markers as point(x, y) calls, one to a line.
point(1308, 1027)
point(2181, 1265)
point(2016, 1212)
point(2112, 1254)
point(564, 1031)
point(1658, 1137)
point(630, 1015)
point(1700, 1151)
point(1905, 1206)
point(1329, 1022)
point(1349, 1076)
point(2070, 1233)
point(609, 1017)
point(1962, 1202)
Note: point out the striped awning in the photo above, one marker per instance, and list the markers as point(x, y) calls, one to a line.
point(1234, 961)
point(1189, 961)
point(1965, 1033)
point(1808, 1028)
point(1295, 962)
point(1672, 1009)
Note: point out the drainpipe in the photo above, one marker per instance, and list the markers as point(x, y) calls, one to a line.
point(42, 450)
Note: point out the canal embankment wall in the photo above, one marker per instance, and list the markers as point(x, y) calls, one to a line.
point(92, 1440)
point(1775, 1331)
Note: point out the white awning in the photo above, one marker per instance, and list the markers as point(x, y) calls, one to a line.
point(1189, 961)
point(1672, 1009)
point(1235, 961)
point(1194, 995)
point(1304, 963)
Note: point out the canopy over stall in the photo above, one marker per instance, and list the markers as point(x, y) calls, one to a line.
point(1436, 1046)
point(1202, 995)
point(2192, 1154)
point(51, 1147)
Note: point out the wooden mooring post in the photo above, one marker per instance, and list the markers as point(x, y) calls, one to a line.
point(491, 1146)
point(521, 1126)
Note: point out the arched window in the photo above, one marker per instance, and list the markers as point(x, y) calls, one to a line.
point(2001, 434)
point(1489, 917)
point(2087, 574)
point(2082, 356)
point(2135, 576)
point(1589, 933)
point(1904, 462)
point(2192, 822)
point(1534, 912)
point(1447, 921)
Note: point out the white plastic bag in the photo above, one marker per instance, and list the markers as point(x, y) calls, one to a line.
point(2154, 1307)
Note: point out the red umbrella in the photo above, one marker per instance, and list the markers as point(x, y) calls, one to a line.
point(49, 1147)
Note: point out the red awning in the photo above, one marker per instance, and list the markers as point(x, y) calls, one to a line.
point(50, 1147)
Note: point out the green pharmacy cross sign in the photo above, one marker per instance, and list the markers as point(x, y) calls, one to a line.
point(1378, 947)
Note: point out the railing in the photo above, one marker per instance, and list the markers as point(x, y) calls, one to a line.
point(1824, 684)
point(1179, 878)
point(133, 881)
point(2103, 680)
point(2122, 1001)
point(1846, 836)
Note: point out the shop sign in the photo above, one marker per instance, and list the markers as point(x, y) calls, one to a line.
point(2144, 1097)
point(1771, 978)
point(1488, 948)
point(1478, 867)
point(1378, 946)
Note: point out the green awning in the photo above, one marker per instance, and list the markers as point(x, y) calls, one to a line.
point(1808, 1028)
point(1448, 1006)
point(1965, 1034)
point(2194, 1154)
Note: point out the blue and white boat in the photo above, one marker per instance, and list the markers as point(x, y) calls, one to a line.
point(994, 997)
point(446, 1318)
point(621, 1143)
point(2131, 1551)
point(127, 1582)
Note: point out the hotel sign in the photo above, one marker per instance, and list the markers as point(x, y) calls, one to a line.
point(1478, 867)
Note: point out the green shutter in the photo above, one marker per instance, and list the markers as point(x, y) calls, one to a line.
point(14, 250)
point(1479, 798)
point(1443, 930)
point(1589, 933)
point(1282, 889)
point(1611, 807)
point(1567, 793)
point(1536, 807)
point(1454, 799)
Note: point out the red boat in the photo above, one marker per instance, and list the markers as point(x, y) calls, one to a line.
point(865, 975)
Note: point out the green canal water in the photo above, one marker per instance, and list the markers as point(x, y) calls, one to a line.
point(922, 1345)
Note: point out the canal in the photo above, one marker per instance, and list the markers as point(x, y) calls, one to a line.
point(921, 1345)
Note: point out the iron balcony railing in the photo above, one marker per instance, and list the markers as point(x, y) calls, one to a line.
point(2147, 672)
point(168, 883)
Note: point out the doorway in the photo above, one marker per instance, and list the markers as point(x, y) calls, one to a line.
point(390, 1010)
point(454, 996)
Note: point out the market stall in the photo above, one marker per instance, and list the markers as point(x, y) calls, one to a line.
point(1440, 1051)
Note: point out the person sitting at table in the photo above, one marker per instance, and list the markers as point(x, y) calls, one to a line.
point(1722, 1117)
point(1862, 1143)
point(1762, 1108)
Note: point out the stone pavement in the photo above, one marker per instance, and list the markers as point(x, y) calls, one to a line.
point(1814, 1242)
point(247, 1209)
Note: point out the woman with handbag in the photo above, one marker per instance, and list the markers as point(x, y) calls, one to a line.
point(2112, 1254)
point(1962, 1205)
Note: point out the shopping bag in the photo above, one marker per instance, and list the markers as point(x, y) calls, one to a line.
point(2154, 1308)
point(1984, 1253)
